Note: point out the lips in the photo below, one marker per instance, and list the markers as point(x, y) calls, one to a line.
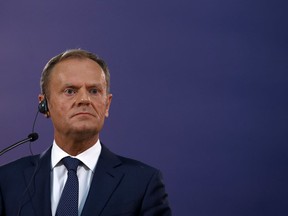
point(82, 114)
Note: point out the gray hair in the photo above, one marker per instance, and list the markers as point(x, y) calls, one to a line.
point(70, 54)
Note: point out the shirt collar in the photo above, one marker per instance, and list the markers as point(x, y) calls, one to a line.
point(89, 157)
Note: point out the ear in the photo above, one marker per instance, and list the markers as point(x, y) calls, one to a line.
point(41, 98)
point(108, 103)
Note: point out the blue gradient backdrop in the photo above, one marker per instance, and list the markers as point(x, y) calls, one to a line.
point(200, 91)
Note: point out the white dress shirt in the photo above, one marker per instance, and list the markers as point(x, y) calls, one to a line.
point(85, 172)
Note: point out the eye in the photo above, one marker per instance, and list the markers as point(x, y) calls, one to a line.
point(93, 91)
point(69, 91)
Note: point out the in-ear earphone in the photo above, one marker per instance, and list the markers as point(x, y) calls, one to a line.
point(43, 107)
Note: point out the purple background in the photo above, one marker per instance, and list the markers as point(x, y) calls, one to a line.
point(200, 91)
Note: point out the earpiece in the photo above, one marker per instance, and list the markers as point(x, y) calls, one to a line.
point(43, 107)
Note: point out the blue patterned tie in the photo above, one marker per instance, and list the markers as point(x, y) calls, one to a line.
point(68, 204)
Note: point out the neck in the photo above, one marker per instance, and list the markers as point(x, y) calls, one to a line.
point(74, 146)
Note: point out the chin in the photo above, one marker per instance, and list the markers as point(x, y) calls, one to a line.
point(84, 134)
point(85, 129)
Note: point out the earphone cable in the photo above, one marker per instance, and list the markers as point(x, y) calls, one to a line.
point(33, 127)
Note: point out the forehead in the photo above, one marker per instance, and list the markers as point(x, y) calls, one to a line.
point(77, 70)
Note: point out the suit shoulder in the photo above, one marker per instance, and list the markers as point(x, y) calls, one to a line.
point(19, 164)
point(137, 165)
point(129, 164)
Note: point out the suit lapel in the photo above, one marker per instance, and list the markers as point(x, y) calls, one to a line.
point(105, 180)
point(38, 181)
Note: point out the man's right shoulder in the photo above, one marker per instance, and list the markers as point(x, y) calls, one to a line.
point(19, 164)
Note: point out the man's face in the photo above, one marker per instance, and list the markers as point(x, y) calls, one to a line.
point(78, 102)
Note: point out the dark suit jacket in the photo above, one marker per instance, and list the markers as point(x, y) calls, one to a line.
point(120, 186)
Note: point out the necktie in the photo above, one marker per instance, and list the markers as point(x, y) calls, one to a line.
point(68, 204)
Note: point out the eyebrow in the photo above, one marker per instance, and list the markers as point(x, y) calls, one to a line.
point(91, 85)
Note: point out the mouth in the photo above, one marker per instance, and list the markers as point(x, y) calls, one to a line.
point(82, 114)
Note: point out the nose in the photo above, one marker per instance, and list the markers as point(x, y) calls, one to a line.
point(83, 98)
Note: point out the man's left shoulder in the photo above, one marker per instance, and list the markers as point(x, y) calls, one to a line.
point(133, 169)
point(125, 162)
point(133, 164)
point(136, 169)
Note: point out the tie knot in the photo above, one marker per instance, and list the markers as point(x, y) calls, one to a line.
point(71, 163)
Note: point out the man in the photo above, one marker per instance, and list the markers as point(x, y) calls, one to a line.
point(76, 96)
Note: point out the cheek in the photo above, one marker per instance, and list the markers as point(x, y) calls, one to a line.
point(100, 108)
point(59, 109)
